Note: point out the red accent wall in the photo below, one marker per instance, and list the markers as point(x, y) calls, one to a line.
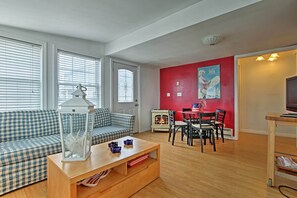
point(187, 76)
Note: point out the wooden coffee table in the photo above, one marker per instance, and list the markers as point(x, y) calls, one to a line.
point(122, 181)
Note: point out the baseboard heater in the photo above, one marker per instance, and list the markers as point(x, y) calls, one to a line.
point(228, 133)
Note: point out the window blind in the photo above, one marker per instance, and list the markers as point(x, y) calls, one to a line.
point(20, 75)
point(74, 69)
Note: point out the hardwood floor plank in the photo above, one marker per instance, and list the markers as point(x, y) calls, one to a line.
point(237, 169)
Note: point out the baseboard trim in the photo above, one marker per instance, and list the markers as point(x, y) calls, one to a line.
point(291, 135)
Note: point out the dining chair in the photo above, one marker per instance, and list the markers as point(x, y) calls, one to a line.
point(187, 118)
point(204, 128)
point(175, 125)
point(219, 122)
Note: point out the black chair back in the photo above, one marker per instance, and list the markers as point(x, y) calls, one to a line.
point(219, 124)
point(171, 117)
point(204, 128)
point(206, 118)
point(220, 115)
point(187, 117)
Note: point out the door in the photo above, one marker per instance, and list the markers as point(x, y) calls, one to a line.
point(125, 90)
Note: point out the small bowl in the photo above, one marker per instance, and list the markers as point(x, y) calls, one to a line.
point(116, 149)
point(128, 142)
point(112, 144)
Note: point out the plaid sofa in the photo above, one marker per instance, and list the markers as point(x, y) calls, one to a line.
point(27, 137)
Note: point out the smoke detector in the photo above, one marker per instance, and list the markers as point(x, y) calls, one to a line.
point(212, 39)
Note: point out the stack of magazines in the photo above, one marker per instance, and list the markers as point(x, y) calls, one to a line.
point(286, 162)
point(137, 160)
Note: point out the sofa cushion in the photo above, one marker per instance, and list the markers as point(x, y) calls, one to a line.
point(108, 133)
point(17, 125)
point(102, 118)
point(27, 149)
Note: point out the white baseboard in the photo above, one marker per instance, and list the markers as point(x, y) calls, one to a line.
point(145, 129)
point(291, 135)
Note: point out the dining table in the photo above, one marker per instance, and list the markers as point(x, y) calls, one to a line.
point(193, 116)
point(196, 112)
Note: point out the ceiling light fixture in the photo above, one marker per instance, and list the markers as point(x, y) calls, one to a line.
point(274, 55)
point(260, 58)
point(272, 59)
point(212, 39)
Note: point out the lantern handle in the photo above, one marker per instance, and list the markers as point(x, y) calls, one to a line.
point(83, 88)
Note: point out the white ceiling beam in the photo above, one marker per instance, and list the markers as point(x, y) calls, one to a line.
point(191, 15)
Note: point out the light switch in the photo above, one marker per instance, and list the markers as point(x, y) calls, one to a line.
point(168, 94)
point(179, 94)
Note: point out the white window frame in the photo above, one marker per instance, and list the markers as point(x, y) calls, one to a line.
point(56, 73)
point(43, 76)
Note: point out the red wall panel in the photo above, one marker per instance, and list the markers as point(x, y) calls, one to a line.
point(187, 76)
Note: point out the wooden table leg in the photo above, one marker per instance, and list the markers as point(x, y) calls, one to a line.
point(270, 153)
point(58, 185)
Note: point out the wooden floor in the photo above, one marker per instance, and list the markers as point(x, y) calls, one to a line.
point(237, 169)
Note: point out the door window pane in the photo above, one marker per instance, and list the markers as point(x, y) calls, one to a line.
point(125, 86)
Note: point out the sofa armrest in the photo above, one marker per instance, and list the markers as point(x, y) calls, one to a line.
point(125, 120)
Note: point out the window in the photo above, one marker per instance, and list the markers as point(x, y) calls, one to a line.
point(125, 85)
point(20, 75)
point(74, 69)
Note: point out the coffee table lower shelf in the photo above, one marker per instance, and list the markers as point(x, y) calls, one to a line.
point(122, 181)
point(117, 185)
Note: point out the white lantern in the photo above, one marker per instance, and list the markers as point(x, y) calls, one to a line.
point(76, 119)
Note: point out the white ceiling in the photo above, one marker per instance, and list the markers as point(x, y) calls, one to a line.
point(99, 20)
point(161, 32)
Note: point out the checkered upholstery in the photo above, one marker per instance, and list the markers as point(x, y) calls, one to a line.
point(22, 174)
point(17, 125)
point(27, 149)
point(108, 133)
point(124, 120)
point(23, 152)
point(102, 118)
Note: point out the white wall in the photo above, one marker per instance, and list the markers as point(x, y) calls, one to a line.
point(262, 90)
point(150, 94)
point(53, 42)
point(149, 90)
point(149, 76)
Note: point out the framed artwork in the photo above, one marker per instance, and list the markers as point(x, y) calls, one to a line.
point(209, 82)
